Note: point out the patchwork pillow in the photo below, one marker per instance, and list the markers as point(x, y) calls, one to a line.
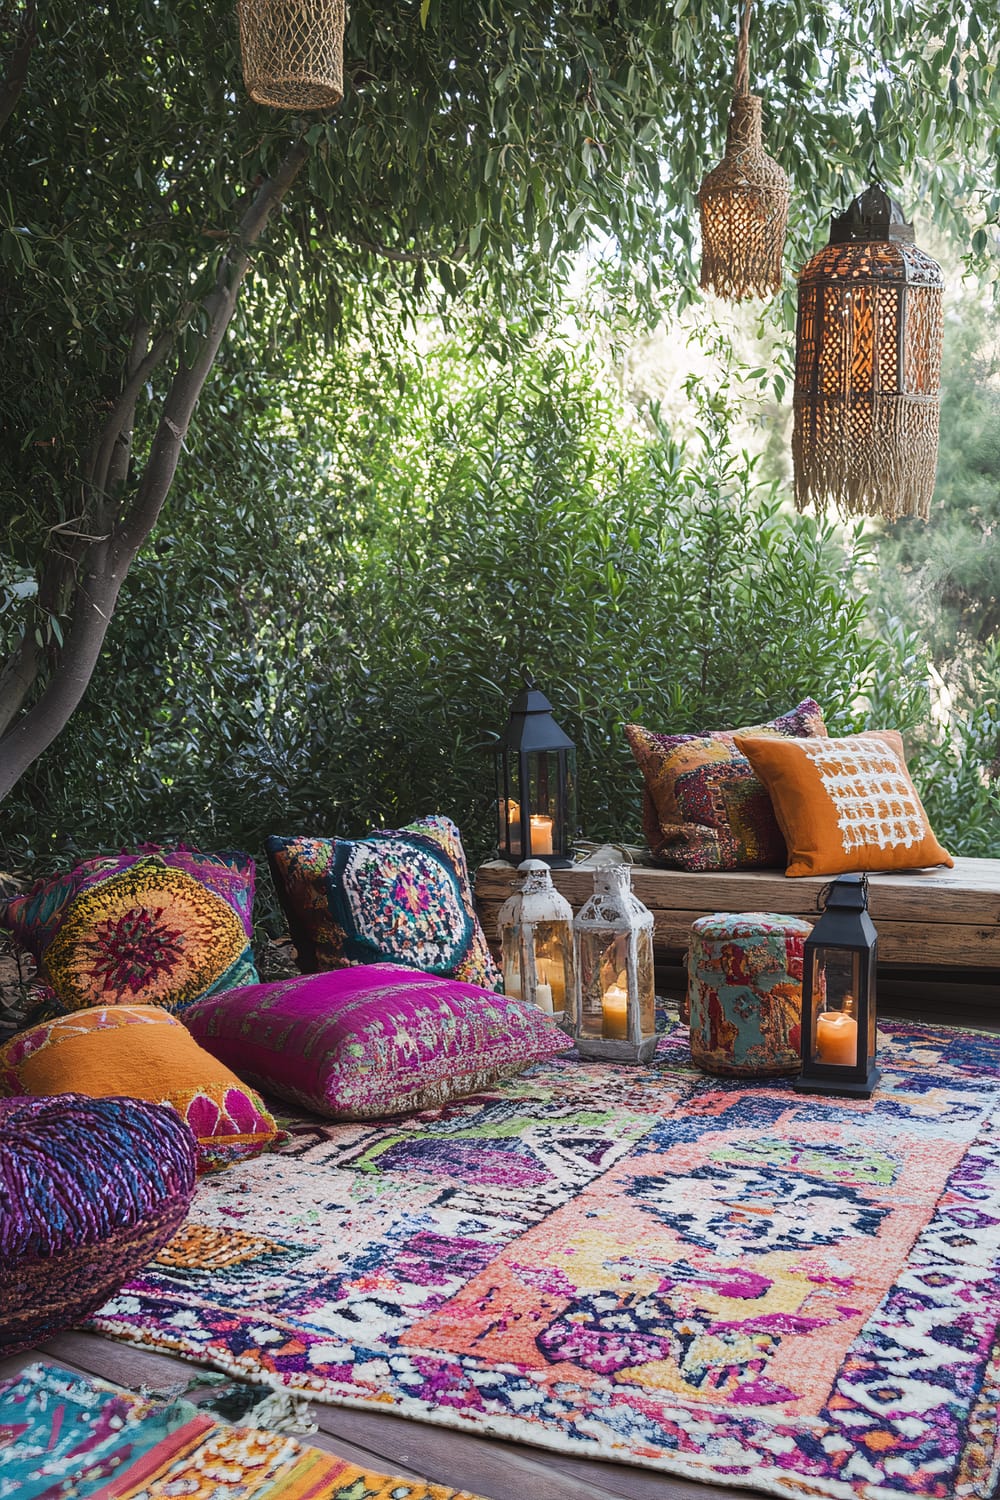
point(400, 895)
point(373, 1040)
point(159, 928)
point(845, 804)
point(90, 1189)
point(142, 1051)
point(703, 806)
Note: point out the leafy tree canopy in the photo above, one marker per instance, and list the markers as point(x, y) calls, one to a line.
point(147, 205)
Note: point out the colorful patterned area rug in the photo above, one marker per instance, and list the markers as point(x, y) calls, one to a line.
point(719, 1279)
point(64, 1437)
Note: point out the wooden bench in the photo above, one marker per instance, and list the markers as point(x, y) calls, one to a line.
point(940, 923)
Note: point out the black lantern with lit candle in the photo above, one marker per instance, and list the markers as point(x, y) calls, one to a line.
point(536, 784)
point(838, 995)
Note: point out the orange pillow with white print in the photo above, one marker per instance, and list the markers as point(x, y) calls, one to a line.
point(845, 803)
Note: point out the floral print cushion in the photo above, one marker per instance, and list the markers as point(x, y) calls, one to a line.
point(378, 1039)
point(148, 928)
point(397, 896)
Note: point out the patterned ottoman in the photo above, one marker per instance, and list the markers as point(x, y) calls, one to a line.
point(745, 993)
point(89, 1191)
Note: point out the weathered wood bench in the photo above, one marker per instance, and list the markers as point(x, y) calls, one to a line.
point(941, 921)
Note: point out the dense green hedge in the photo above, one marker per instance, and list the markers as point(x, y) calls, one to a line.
point(330, 627)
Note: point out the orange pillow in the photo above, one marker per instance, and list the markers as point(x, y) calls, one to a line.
point(845, 804)
point(141, 1052)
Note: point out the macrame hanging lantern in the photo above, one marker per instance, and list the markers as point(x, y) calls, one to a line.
point(868, 366)
point(293, 52)
point(744, 200)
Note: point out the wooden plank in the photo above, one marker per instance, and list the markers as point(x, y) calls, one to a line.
point(968, 894)
point(940, 917)
point(898, 942)
point(976, 947)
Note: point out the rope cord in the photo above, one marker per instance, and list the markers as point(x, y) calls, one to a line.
point(741, 82)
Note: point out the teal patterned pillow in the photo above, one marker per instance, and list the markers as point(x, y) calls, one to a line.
point(400, 895)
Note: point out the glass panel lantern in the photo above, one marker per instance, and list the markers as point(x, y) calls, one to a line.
point(838, 995)
point(536, 784)
point(613, 1013)
point(536, 941)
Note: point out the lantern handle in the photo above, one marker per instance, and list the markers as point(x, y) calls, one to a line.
point(741, 80)
point(823, 894)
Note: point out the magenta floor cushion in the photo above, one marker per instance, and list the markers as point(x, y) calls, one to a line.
point(374, 1040)
point(90, 1189)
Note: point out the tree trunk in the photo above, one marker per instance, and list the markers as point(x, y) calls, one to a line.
point(108, 558)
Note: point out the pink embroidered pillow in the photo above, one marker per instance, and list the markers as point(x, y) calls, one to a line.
point(374, 1040)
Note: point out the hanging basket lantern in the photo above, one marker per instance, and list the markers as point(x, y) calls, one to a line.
point(293, 52)
point(868, 366)
point(743, 201)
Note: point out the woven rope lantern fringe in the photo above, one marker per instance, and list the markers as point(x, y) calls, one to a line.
point(868, 366)
point(293, 52)
point(743, 202)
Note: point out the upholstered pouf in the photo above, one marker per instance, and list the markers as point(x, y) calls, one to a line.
point(89, 1191)
point(745, 993)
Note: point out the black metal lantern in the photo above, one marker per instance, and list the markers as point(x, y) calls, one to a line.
point(838, 995)
point(536, 784)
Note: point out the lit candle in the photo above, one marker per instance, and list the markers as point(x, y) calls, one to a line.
point(556, 977)
point(541, 834)
point(836, 1038)
point(614, 1007)
point(543, 991)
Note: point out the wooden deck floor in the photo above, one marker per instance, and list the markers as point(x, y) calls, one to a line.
point(486, 1466)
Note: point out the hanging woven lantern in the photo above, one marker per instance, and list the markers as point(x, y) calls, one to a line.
point(868, 366)
point(293, 52)
point(743, 201)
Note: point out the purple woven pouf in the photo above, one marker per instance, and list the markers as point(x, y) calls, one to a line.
point(745, 993)
point(89, 1191)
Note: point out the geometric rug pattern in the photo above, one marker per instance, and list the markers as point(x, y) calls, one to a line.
point(720, 1279)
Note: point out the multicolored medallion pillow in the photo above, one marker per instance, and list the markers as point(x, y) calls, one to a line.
point(400, 895)
point(703, 806)
point(377, 1039)
point(154, 928)
point(845, 804)
point(90, 1189)
point(141, 1051)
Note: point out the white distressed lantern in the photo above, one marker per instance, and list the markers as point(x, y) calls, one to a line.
point(613, 1013)
point(536, 940)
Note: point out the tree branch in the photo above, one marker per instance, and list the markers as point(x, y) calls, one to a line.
point(16, 72)
point(107, 561)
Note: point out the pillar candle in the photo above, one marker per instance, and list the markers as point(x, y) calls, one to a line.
point(541, 834)
point(836, 1038)
point(614, 1007)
